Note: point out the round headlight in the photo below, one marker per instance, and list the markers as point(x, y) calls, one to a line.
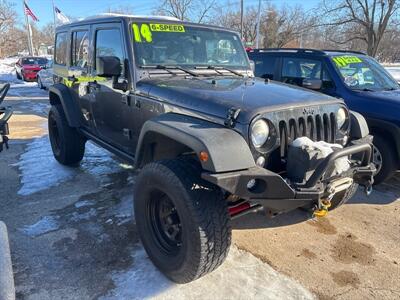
point(341, 117)
point(259, 133)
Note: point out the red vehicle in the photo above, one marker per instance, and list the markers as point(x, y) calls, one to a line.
point(28, 67)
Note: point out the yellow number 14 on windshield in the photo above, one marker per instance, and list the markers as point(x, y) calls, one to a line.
point(142, 33)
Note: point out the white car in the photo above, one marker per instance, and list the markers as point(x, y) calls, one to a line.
point(45, 76)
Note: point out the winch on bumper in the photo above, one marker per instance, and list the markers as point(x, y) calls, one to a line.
point(272, 191)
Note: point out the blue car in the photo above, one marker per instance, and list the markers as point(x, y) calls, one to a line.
point(361, 81)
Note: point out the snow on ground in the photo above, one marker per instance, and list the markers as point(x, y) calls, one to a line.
point(394, 71)
point(40, 171)
point(44, 225)
point(7, 70)
point(242, 276)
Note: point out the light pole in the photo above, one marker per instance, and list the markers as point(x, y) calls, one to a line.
point(258, 24)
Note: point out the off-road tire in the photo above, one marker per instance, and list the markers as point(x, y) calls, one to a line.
point(389, 163)
point(205, 228)
point(67, 144)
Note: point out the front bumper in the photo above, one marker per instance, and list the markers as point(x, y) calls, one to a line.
point(273, 191)
point(30, 75)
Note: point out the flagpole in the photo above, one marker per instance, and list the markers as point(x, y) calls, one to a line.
point(27, 28)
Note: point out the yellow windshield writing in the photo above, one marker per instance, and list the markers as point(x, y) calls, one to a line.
point(142, 32)
point(342, 61)
point(167, 27)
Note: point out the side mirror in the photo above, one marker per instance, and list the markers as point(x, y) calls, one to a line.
point(108, 66)
point(313, 84)
point(253, 65)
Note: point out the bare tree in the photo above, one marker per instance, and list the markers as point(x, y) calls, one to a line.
point(8, 21)
point(360, 20)
point(188, 10)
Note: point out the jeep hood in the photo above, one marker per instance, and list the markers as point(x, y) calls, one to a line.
point(215, 96)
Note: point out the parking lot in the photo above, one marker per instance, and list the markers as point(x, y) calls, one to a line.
point(73, 235)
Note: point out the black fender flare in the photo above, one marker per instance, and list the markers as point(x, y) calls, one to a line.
point(390, 128)
point(358, 126)
point(227, 149)
point(59, 93)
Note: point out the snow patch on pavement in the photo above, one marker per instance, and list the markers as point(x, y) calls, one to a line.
point(44, 225)
point(122, 212)
point(242, 276)
point(40, 171)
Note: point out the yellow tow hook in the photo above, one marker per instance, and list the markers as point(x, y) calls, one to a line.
point(323, 211)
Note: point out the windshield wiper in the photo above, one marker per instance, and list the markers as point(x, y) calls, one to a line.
point(215, 68)
point(169, 68)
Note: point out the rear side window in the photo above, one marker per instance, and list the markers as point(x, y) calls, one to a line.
point(80, 49)
point(109, 43)
point(301, 68)
point(264, 66)
point(60, 54)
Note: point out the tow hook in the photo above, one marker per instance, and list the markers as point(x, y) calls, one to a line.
point(323, 210)
point(368, 189)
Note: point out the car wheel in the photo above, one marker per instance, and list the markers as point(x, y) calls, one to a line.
point(183, 221)
point(344, 196)
point(384, 158)
point(39, 82)
point(67, 144)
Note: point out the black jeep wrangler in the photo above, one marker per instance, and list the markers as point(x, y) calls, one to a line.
point(179, 101)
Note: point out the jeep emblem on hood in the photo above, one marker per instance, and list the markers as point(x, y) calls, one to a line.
point(308, 111)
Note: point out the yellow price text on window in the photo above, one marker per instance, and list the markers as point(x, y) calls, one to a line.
point(343, 61)
point(167, 27)
point(142, 33)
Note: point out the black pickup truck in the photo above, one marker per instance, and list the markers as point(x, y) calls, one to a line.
point(180, 102)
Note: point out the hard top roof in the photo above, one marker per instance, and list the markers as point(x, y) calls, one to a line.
point(112, 17)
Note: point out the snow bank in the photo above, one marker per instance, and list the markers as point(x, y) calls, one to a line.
point(40, 171)
point(242, 276)
point(395, 72)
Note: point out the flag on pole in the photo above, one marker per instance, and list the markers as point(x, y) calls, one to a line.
point(60, 16)
point(29, 12)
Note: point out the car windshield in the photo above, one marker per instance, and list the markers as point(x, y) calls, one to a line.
point(361, 72)
point(186, 46)
point(34, 61)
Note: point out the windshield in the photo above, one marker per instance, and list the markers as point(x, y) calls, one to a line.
point(363, 73)
point(34, 61)
point(186, 46)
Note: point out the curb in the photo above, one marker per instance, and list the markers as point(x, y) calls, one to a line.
point(7, 289)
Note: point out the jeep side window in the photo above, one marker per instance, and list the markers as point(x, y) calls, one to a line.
point(80, 49)
point(60, 51)
point(109, 43)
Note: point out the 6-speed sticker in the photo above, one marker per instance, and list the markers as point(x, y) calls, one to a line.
point(167, 27)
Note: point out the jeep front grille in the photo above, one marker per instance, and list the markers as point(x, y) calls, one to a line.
point(320, 127)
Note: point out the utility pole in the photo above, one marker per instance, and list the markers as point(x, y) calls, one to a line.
point(258, 24)
point(241, 19)
point(54, 15)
